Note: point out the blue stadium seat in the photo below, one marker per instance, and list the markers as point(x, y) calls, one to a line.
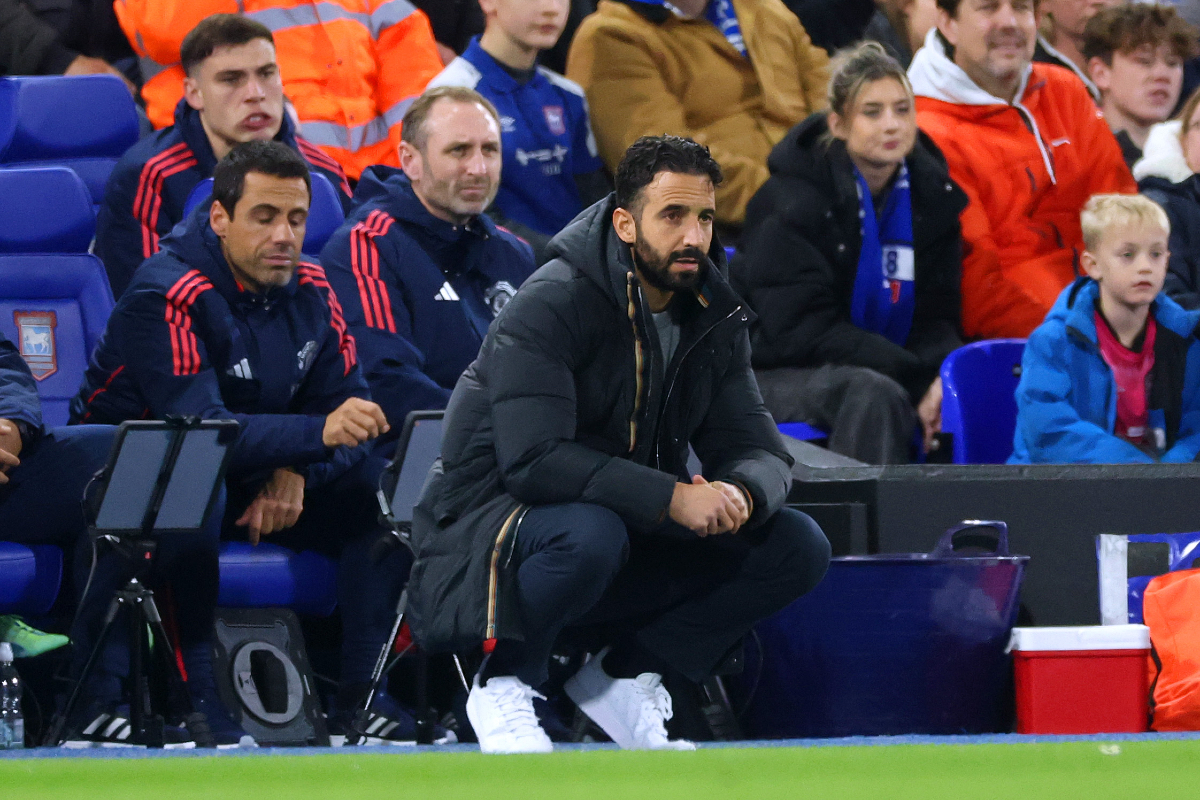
point(1159, 554)
point(54, 308)
point(44, 210)
point(979, 406)
point(269, 575)
point(84, 122)
point(29, 578)
point(324, 216)
point(802, 431)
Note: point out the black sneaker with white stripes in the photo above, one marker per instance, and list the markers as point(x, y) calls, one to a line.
point(388, 722)
point(112, 728)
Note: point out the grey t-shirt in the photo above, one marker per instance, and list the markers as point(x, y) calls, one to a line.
point(668, 336)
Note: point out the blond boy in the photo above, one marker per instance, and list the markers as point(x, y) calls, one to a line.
point(1113, 374)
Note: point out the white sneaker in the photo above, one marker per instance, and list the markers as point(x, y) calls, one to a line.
point(630, 710)
point(501, 712)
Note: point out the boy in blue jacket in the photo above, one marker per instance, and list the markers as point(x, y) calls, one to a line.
point(1113, 374)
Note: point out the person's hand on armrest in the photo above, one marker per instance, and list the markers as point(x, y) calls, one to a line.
point(353, 422)
point(277, 506)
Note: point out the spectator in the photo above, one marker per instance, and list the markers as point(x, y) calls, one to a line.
point(350, 67)
point(234, 94)
point(551, 168)
point(556, 57)
point(1135, 56)
point(639, 63)
point(454, 24)
point(1060, 37)
point(227, 322)
point(575, 422)
point(901, 26)
point(420, 270)
point(984, 104)
point(852, 260)
point(30, 45)
point(833, 24)
point(1167, 175)
point(1113, 374)
point(43, 476)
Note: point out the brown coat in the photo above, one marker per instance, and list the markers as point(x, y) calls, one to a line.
point(647, 72)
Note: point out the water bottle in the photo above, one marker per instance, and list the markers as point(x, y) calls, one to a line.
point(12, 721)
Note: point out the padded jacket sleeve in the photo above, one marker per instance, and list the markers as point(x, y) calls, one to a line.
point(18, 390)
point(121, 242)
point(535, 351)
point(29, 46)
point(1187, 440)
point(169, 364)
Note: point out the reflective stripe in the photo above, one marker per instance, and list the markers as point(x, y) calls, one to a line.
point(384, 17)
point(331, 134)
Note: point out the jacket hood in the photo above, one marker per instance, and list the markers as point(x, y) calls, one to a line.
point(590, 245)
point(1076, 305)
point(187, 122)
point(1058, 59)
point(1163, 157)
point(390, 189)
point(193, 243)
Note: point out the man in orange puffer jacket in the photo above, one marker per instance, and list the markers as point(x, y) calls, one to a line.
point(1027, 144)
point(351, 68)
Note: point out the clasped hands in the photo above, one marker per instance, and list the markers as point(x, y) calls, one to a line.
point(709, 508)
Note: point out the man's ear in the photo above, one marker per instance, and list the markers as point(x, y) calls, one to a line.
point(218, 218)
point(411, 161)
point(948, 26)
point(1100, 73)
point(1090, 266)
point(624, 225)
point(191, 93)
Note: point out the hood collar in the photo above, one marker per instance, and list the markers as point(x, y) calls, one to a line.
point(1163, 155)
point(1066, 63)
point(1076, 307)
point(392, 191)
point(187, 122)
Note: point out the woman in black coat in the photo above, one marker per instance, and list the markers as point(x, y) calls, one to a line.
point(856, 310)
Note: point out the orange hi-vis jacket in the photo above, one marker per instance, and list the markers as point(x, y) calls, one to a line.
point(350, 68)
point(1028, 167)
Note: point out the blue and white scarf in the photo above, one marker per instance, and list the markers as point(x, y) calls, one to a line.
point(721, 14)
point(884, 295)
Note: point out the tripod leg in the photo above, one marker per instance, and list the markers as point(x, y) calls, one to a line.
point(54, 736)
point(139, 695)
point(359, 728)
point(424, 713)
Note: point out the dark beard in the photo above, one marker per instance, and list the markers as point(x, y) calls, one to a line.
point(656, 270)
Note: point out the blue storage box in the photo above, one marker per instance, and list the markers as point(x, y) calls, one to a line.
point(892, 644)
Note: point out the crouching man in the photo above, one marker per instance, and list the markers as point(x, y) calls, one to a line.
point(563, 498)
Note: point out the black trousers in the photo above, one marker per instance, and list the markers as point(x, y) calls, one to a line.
point(685, 599)
point(869, 416)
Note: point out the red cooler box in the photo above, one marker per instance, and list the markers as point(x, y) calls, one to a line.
point(1081, 680)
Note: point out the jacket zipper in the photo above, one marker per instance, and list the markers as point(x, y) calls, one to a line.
point(639, 361)
point(671, 386)
point(517, 515)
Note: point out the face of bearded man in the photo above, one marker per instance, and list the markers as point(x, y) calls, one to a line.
point(679, 270)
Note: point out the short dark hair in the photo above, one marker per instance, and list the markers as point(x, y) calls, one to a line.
point(412, 127)
point(651, 155)
point(1125, 28)
point(268, 158)
point(951, 6)
point(219, 30)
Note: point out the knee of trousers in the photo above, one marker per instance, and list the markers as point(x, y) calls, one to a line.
point(879, 391)
point(594, 541)
point(802, 552)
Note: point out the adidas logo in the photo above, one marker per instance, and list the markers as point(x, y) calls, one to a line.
point(240, 370)
point(447, 293)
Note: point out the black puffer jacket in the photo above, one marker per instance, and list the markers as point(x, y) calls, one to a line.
point(563, 405)
point(799, 258)
point(1182, 202)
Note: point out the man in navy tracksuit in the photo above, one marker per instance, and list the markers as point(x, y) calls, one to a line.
point(420, 271)
point(227, 322)
point(233, 94)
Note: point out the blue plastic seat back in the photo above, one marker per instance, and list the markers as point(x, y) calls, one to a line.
point(324, 215)
point(84, 122)
point(979, 406)
point(269, 575)
point(1184, 553)
point(54, 309)
point(29, 578)
point(44, 210)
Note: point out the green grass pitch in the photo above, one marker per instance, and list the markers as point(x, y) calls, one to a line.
point(1090, 770)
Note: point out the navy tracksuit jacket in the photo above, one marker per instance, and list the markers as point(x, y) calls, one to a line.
point(184, 338)
point(419, 293)
point(150, 184)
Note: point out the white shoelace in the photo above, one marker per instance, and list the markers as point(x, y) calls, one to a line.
point(656, 704)
point(515, 701)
